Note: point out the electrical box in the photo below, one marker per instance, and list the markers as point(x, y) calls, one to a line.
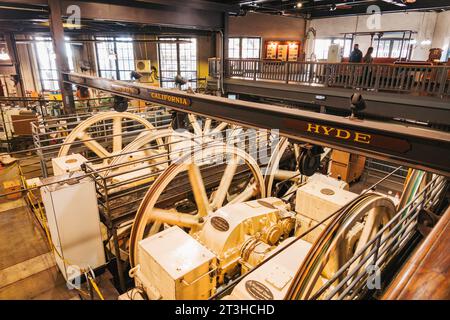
point(74, 223)
point(177, 265)
point(66, 164)
point(143, 66)
point(346, 166)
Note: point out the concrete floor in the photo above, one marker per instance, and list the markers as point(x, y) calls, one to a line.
point(27, 267)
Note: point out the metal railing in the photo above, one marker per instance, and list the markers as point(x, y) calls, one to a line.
point(121, 187)
point(401, 78)
point(350, 281)
point(49, 133)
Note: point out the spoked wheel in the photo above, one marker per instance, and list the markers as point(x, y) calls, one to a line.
point(283, 166)
point(99, 126)
point(148, 155)
point(348, 233)
point(156, 148)
point(203, 127)
point(198, 184)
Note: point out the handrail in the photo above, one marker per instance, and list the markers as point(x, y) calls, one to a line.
point(402, 78)
point(353, 279)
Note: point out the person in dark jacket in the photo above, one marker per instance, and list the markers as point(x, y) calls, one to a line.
point(356, 55)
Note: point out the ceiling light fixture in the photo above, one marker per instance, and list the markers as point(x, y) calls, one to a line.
point(299, 5)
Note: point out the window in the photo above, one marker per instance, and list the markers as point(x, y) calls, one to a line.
point(250, 48)
point(47, 63)
point(234, 48)
point(246, 48)
point(178, 58)
point(115, 57)
point(390, 48)
point(397, 46)
point(382, 48)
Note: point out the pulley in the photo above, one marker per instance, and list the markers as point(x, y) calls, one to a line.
point(309, 161)
point(120, 104)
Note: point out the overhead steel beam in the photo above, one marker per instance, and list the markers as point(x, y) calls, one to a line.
point(156, 14)
point(195, 4)
point(378, 104)
point(197, 14)
point(414, 147)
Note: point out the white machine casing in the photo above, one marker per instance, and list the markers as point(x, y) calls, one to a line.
point(317, 200)
point(74, 223)
point(66, 164)
point(175, 266)
point(272, 280)
point(227, 230)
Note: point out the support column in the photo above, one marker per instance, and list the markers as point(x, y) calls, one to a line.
point(12, 51)
point(59, 47)
point(224, 49)
point(225, 35)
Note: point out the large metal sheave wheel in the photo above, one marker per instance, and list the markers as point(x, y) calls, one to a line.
point(274, 173)
point(194, 173)
point(347, 234)
point(205, 127)
point(84, 133)
point(156, 148)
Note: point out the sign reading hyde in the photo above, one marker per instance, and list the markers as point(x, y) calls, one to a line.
point(339, 133)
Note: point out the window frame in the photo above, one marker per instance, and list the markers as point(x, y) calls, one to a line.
point(52, 62)
point(178, 70)
point(241, 47)
point(117, 70)
point(392, 41)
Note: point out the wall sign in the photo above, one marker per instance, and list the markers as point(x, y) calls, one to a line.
point(282, 50)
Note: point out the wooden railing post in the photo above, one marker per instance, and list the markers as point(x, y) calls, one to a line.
point(442, 81)
point(327, 74)
point(377, 77)
point(407, 78)
point(286, 71)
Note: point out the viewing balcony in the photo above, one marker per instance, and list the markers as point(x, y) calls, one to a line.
point(419, 79)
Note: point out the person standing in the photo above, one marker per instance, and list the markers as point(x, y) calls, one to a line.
point(368, 57)
point(356, 55)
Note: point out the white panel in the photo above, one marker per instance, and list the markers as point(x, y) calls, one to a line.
point(74, 223)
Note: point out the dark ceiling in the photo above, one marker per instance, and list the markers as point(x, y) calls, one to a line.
point(32, 15)
point(330, 8)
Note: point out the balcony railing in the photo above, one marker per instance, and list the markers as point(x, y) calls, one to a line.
point(423, 80)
